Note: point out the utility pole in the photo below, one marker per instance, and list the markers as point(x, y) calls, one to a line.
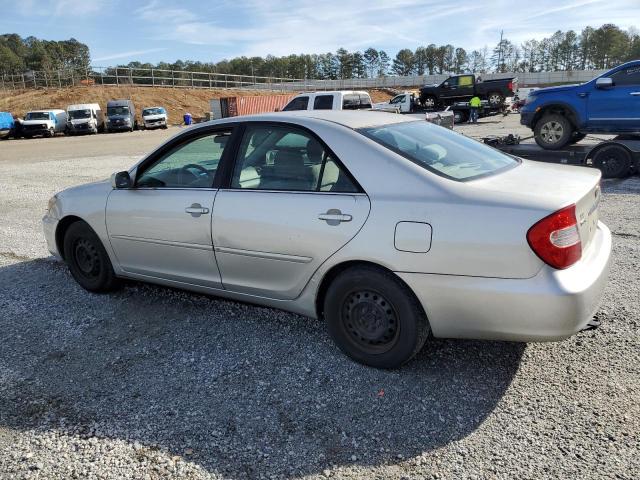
point(500, 51)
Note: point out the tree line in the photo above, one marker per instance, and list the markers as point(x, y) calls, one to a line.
point(592, 48)
point(18, 54)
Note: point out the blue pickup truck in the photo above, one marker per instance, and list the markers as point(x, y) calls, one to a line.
point(563, 115)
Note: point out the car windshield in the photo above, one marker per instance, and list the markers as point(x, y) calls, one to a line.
point(152, 111)
point(441, 151)
point(111, 111)
point(37, 116)
point(78, 114)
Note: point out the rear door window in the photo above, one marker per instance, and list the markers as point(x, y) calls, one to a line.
point(441, 151)
point(323, 102)
point(283, 157)
point(298, 103)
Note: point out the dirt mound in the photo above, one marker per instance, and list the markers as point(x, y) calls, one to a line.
point(177, 101)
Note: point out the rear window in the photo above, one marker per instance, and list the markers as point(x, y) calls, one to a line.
point(440, 150)
point(355, 101)
point(298, 103)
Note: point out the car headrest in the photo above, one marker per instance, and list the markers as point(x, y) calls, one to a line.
point(288, 159)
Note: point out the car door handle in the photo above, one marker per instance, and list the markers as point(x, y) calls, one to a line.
point(195, 210)
point(635, 94)
point(583, 94)
point(334, 217)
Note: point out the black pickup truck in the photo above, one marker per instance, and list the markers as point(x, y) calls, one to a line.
point(463, 87)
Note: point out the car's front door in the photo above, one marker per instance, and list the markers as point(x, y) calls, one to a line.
point(289, 205)
point(161, 227)
point(617, 108)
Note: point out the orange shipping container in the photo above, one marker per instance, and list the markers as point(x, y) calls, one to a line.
point(234, 106)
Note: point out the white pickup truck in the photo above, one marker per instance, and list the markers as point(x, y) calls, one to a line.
point(405, 102)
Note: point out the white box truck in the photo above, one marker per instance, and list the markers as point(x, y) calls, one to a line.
point(84, 118)
point(44, 122)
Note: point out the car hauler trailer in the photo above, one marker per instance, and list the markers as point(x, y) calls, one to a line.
point(615, 158)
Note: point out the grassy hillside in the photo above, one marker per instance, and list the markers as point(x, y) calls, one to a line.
point(177, 101)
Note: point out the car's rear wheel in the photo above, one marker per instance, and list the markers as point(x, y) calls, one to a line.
point(429, 102)
point(495, 99)
point(87, 259)
point(553, 131)
point(374, 318)
point(614, 161)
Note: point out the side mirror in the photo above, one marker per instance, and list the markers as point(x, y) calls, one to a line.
point(121, 180)
point(445, 84)
point(604, 82)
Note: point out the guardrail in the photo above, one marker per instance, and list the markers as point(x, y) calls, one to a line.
point(154, 77)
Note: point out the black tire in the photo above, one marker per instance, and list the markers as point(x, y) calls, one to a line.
point(51, 133)
point(495, 99)
point(460, 116)
point(87, 259)
point(553, 131)
point(614, 161)
point(374, 318)
point(576, 137)
point(430, 102)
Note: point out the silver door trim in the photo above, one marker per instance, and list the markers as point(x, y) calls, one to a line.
point(614, 118)
point(267, 255)
point(195, 246)
point(354, 194)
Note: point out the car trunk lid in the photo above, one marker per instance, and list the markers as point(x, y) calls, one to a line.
point(548, 188)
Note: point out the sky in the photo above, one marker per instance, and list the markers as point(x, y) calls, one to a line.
point(120, 31)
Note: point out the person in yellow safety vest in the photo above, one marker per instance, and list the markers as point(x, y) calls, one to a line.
point(475, 105)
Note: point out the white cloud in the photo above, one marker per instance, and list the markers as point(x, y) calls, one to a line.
point(256, 27)
point(132, 53)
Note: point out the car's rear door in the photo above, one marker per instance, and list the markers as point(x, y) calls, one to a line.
point(289, 205)
point(161, 228)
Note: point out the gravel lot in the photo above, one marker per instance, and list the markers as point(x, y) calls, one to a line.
point(152, 383)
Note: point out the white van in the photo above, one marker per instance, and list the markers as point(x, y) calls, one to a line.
point(84, 118)
point(44, 122)
point(336, 100)
point(154, 117)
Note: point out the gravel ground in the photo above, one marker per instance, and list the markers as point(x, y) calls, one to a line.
point(150, 382)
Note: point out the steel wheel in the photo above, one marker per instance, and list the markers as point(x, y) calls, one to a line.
point(374, 317)
point(86, 257)
point(88, 261)
point(370, 321)
point(613, 161)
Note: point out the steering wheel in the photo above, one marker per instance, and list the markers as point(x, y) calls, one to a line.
point(200, 168)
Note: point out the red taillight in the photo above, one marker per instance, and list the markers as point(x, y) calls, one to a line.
point(510, 86)
point(556, 240)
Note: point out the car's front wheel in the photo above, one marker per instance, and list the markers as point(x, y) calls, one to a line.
point(374, 318)
point(553, 131)
point(87, 259)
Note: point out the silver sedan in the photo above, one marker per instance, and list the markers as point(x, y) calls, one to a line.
point(389, 228)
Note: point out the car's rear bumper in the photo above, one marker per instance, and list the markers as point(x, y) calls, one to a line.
point(552, 305)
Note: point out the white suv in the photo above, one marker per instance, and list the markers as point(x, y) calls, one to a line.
point(337, 100)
